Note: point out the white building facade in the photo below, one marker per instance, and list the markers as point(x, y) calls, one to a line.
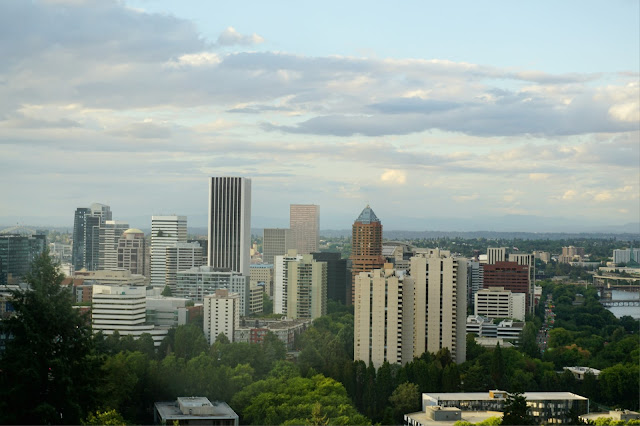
point(165, 232)
point(221, 315)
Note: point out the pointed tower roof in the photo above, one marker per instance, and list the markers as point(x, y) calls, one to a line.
point(367, 216)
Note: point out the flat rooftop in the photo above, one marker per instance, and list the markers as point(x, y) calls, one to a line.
point(171, 410)
point(484, 396)
point(467, 416)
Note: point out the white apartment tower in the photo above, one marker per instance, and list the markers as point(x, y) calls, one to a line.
point(166, 231)
point(300, 286)
point(496, 302)
point(230, 223)
point(304, 222)
point(221, 315)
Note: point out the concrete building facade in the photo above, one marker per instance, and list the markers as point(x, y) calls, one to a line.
point(496, 302)
point(275, 242)
point(262, 274)
point(221, 315)
point(180, 257)
point(300, 286)
point(132, 248)
point(196, 283)
point(109, 235)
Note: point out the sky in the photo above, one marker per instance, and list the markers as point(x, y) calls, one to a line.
point(458, 115)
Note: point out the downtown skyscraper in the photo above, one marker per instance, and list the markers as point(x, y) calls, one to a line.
point(86, 231)
point(366, 246)
point(230, 223)
point(166, 231)
point(304, 222)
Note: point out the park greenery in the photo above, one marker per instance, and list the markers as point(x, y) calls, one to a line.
point(55, 371)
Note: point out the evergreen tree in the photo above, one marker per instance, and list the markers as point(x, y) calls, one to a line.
point(47, 370)
point(516, 411)
point(497, 368)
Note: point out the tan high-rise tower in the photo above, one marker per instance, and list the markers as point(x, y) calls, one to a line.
point(366, 245)
point(304, 221)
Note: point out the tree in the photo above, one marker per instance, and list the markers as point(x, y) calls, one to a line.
point(516, 411)
point(405, 399)
point(189, 341)
point(497, 368)
point(267, 304)
point(109, 417)
point(166, 292)
point(47, 370)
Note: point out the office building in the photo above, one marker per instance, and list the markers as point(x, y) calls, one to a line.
point(165, 232)
point(474, 278)
point(109, 234)
point(110, 277)
point(230, 223)
point(256, 298)
point(253, 331)
point(196, 283)
point(545, 407)
point(337, 276)
point(221, 315)
point(194, 410)
point(511, 276)
point(132, 248)
point(366, 245)
point(123, 308)
point(440, 303)
point(300, 286)
point(304, 222)
point(496, 302)
point(17, 252)
point(167, 311)
point(275, 242)
point(496, 254)
point(530, 261)
point(262, 274)
point(571, 254)
point(180, 257)
point(86, 235)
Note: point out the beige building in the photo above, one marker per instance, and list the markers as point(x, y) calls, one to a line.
point(262, 274)
point(181, 257)
point(304, 222)
point(221, 314)
point(399, 317)
point(109, 234)
point(382, 317)
point(300, 286)
point(255, 299)
point(496, 302)
point(496, 254)
point(111, 277)
point(275, 242)
point(440, 301)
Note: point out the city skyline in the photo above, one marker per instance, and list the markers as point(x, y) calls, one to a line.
point(472, 109)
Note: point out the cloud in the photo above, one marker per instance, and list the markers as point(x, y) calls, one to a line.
point(398, 177)
point(464, 198)
point(230, 37)
point(569, 194)
point(195, 59)
point(539, 176)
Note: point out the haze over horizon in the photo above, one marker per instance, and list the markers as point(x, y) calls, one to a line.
point(465, 116)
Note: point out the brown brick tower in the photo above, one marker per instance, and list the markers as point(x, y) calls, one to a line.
point(366, 245)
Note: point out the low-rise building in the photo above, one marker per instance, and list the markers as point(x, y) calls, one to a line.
point(167, 311)
point(251, 331)
point(447, 416)
point(579, 372)
point(615, 415)
point(194, 410)
point(543, 406)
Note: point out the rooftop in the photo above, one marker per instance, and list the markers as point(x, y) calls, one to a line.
point(367, 216)
point(194, 408)
point(485, 396)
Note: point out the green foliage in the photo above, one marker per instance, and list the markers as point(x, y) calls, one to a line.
point(189, 341)
point(267, 304)
point(516, 411)
point(109, 417)
point(277, 400)
point(166, 291)
point(491, 421)
point(405, 399)
point(48, 370)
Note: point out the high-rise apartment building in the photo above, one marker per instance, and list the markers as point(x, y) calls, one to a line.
point(132, 251)
point(230, 223)
point(300, 286)
point(165, 232)
point(440, 303)
point(383, 320)
point(109, 234)
point(626, 256)
point(366, 245)
point(262, 275)
point(398, 316)
point(221, 315)
point(304, 221)
point(275, 242)
point(180, 257)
